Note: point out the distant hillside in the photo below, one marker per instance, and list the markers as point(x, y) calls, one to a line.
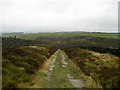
point(95, 34)
point(12, 33)
point(98, 44)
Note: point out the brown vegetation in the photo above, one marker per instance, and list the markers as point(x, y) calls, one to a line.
point(103, 68)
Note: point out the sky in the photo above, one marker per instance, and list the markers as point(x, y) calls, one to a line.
point(59, 15)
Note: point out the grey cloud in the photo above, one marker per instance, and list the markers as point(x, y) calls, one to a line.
point(52, 15)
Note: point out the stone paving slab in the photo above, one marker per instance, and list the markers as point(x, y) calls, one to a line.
point(78, 83)
point(69, 76)
point(63, 66)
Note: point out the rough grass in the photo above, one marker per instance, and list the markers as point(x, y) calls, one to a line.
point(43, 74)
point(19, 64)
point(77, 73)
point(102, 68)
point(39, 78)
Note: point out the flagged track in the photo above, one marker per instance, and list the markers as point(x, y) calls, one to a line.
point(59, 75)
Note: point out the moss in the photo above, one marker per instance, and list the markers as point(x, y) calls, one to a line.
point(42, 74)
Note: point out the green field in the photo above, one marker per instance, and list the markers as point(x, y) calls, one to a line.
point(35, 35)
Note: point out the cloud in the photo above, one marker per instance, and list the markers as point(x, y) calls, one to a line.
point(99, 15)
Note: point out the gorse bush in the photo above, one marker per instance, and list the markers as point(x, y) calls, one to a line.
point(103, 68)
point(20, 63)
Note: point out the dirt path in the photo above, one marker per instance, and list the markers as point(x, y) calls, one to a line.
point(62, 74)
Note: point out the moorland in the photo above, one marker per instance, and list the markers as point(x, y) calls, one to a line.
point(96, 56)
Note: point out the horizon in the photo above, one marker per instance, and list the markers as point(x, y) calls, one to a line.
point(62, 32)
point(60, 15)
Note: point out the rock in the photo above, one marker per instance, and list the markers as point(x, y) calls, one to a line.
point(65, 63)
point(50, 73)
point(70, 77)
point(52, 62)
point(50, 69)
point(52, 66)
point(78, 83)
point(63, 66)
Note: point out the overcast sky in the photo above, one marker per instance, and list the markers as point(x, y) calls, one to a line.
point(59, 15)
